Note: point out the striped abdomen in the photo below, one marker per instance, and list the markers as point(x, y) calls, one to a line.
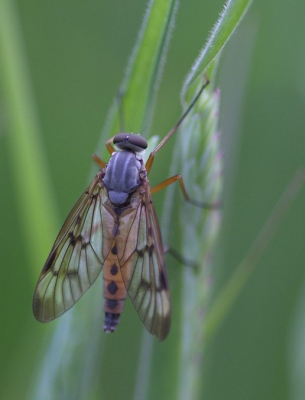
point(114, 292)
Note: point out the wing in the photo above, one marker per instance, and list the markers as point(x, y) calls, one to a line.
point(77, 256)
point(144, 273)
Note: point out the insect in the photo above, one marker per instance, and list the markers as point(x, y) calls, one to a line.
point(113, 226)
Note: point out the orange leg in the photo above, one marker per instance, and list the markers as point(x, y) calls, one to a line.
point(110, 148)
point(109, 145)
point(179, 178)
point(98, 161)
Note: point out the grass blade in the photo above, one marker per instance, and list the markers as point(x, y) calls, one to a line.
point(201, 166)
point(232, 13)
point(27, 153)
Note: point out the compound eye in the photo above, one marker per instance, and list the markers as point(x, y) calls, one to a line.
point(130, 141)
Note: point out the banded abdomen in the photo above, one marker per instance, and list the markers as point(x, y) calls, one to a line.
point(114, 291)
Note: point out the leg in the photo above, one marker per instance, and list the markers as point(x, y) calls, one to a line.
point(110, 148)
point(98, 161)
point(180, 258)
point(179, 178)
point(109, 145)
point(174, 129)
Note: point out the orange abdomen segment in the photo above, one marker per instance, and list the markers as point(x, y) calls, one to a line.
point(114, 292)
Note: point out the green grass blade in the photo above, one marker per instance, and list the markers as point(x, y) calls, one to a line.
point(201, 167)
point(232, 13)
point(143, 72)
point(202, 172)
point(35, 200)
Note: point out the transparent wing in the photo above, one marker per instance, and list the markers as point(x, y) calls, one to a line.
point(77, 256)
point(144, 271)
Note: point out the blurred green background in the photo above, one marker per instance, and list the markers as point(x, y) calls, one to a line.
point(77, 52)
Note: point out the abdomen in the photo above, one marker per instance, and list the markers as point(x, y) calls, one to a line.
point(114, 291)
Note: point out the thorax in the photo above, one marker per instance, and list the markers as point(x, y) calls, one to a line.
point(124, 174)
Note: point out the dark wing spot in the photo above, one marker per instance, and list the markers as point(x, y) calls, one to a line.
point(49, 262)
point(151, 250)
point(79, 238)
point(112, 287)
point(114, 250)
point(72, 238)
point(163, 281)
point(145, 285)
point(141, 253)
point(79, 220)
point(114, 269)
